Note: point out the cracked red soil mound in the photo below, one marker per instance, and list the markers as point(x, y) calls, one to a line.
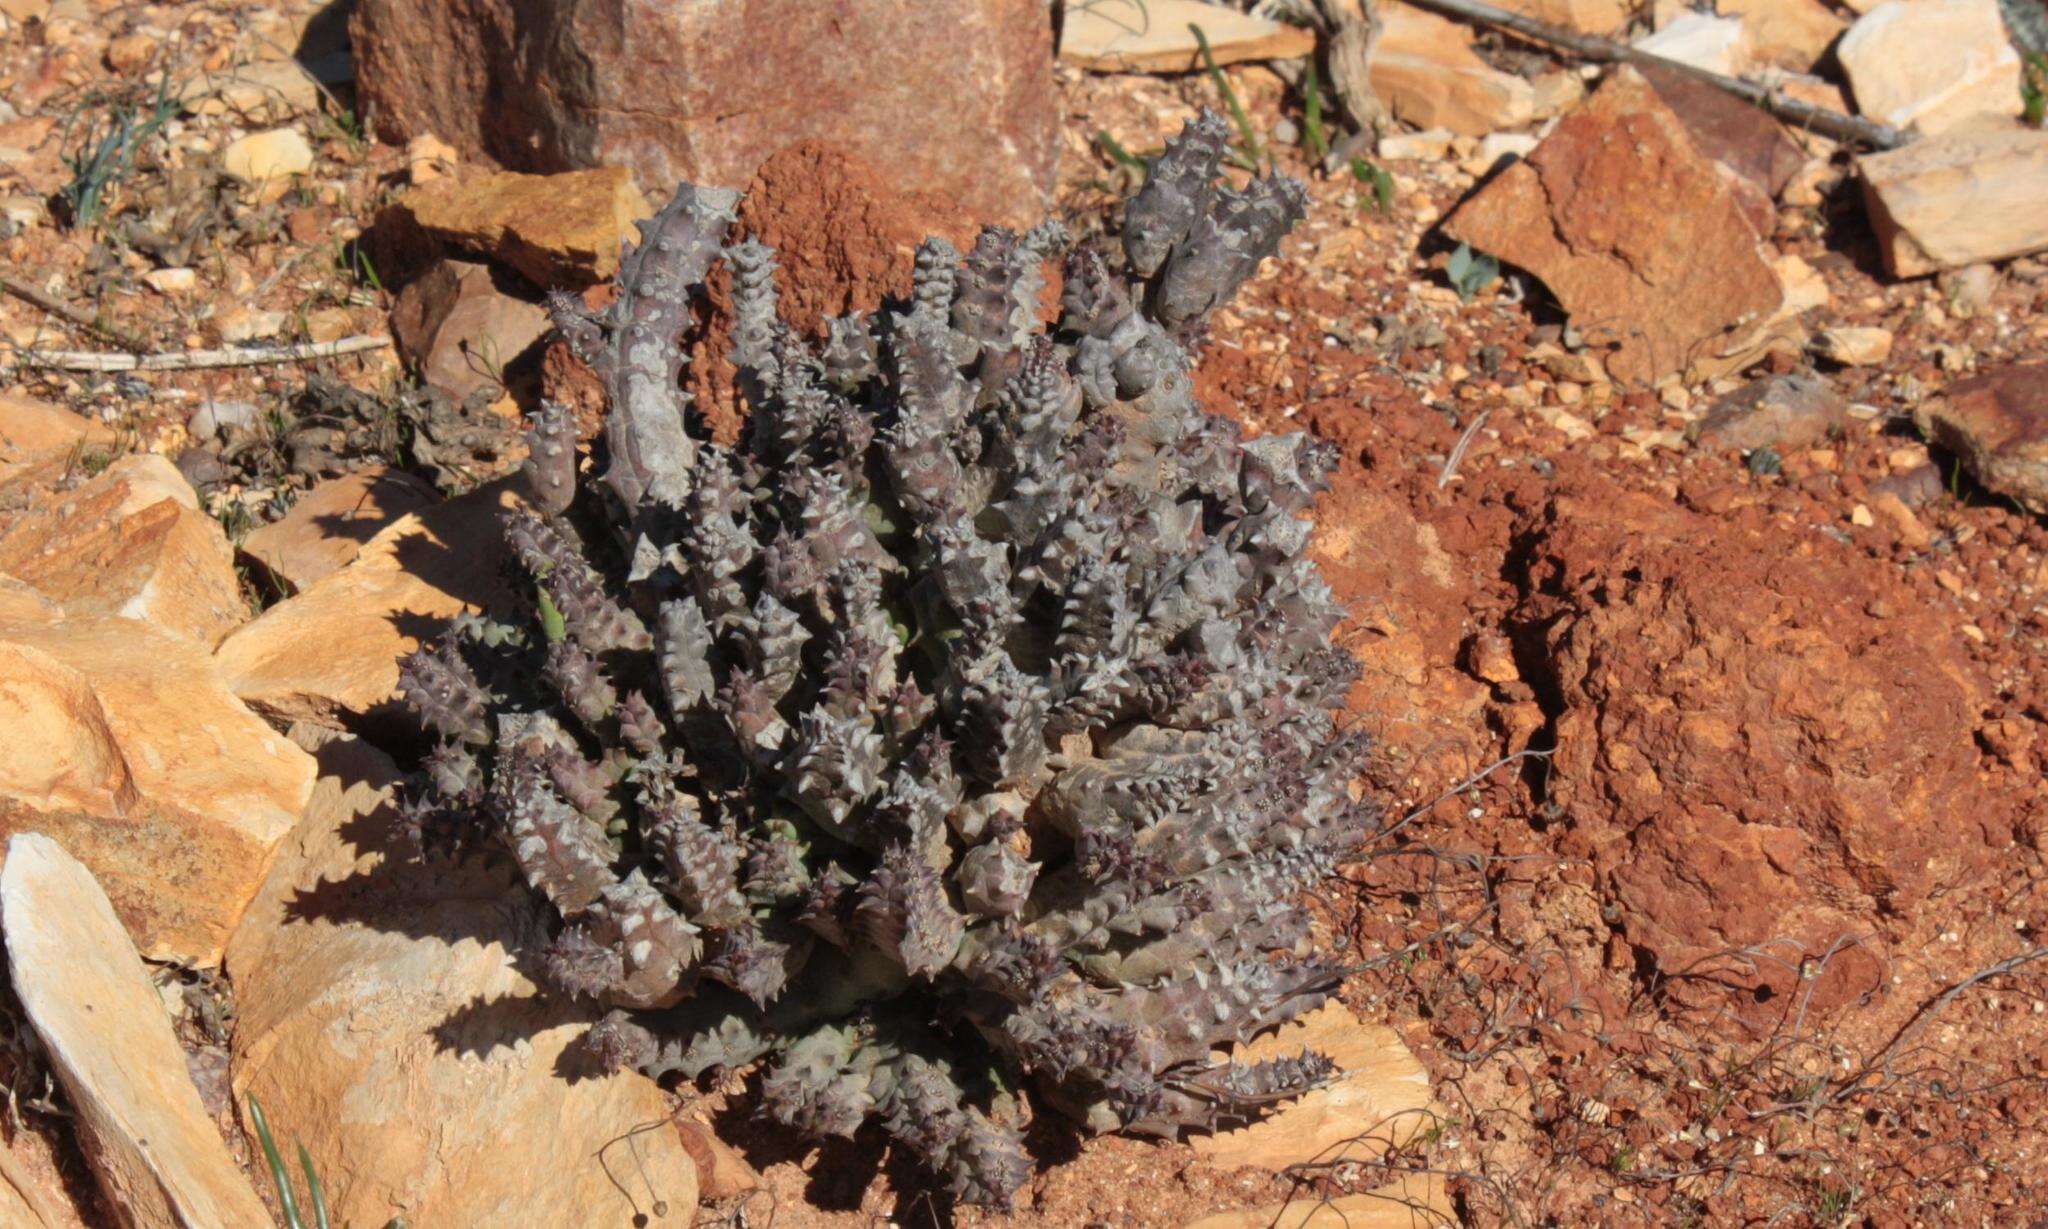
point(1761, 743)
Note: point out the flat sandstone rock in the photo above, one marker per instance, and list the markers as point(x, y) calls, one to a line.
point(384, 1023)
point(102, 1025)
point(120, 741)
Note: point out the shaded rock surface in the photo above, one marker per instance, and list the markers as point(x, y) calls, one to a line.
point(1998, 424)
point(1761, 766)
point(31, 1199)
point(332, 652)
point(1634, 230)
point(327, 528)
point(1739, 136)
point(955, 98)
point(131, 542)
point(461, 330)
point(119, 740)
point(148, 1138)
point(384, 1024)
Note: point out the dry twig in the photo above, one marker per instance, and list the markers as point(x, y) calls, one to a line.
point(194, 360)
point(76, 315)
point(1831, 124)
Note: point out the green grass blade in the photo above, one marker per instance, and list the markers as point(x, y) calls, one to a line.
point(1312, 115)
point(278, 1173)
point(1244, 122)
point(314, 1191)
point(1117, 153)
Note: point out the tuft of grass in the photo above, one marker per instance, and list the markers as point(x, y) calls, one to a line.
point(2034, 88)
point(112, 134)
point(1247, 157)
point(316, 1195)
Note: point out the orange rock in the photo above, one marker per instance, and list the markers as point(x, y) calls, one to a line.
point(1792, 34)
point(1635, 231)
point(1425, 70)
point(32, 428)
point(326, 529)
point(119, 740)
point(332, 652)
point(1380, 1100)
point(554, 229)
point(131, 542)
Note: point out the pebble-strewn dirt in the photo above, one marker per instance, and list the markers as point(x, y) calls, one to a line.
point(1712, 892)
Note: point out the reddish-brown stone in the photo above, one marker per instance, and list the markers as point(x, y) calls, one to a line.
point(1639, 235)
point(952, 96)
point(1998, 424)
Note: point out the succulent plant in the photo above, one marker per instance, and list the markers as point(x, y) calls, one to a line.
point(967, 729)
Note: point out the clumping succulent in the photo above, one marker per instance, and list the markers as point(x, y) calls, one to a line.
point(957, 744)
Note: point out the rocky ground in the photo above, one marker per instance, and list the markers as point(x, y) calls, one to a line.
point(1694, 554)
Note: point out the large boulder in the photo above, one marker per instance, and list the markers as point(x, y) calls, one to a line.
point(1771, 769)
point(119, 740)
point(385, 1024)
point(954, 96)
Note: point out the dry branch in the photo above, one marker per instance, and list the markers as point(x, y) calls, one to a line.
point(1831, 124)
point(194, 360)
point(65, 311)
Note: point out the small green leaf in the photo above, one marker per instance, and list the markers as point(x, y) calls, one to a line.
point(552, 625)
point(1470, 271)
